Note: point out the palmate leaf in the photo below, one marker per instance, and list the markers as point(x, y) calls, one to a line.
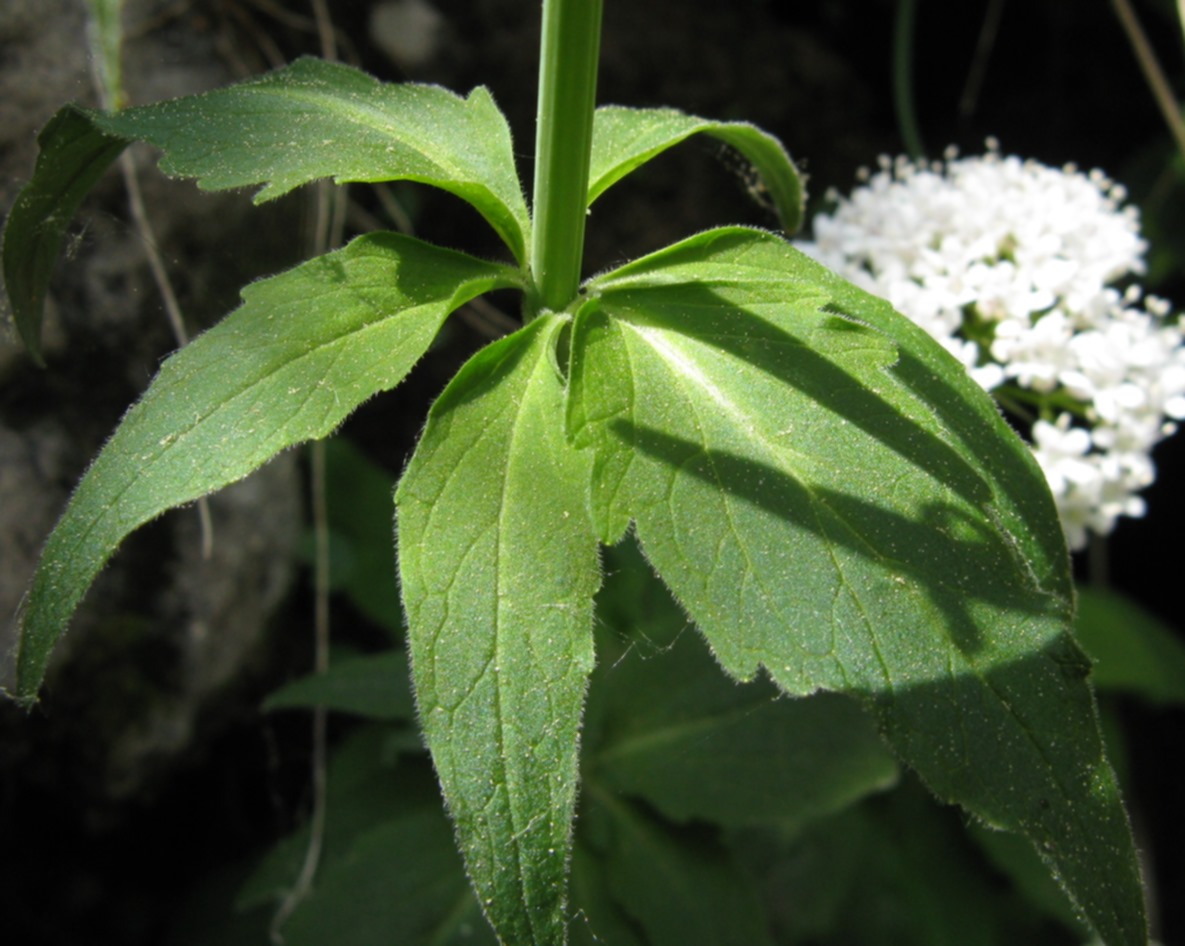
point(304, 349)
point(830, 496)
point(307, 121)
point(498, 566)
point(626, 138)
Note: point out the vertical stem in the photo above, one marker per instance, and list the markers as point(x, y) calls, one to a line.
point(983, 51)
point(571, 43)
point(105, 37)
point(328, 226)
point(903, 94)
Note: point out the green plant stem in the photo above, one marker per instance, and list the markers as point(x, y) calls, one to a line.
point(569, 49)
point(984, 45)
point(907, 120)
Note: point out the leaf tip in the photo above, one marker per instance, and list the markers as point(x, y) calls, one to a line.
point(26, 701)
point(28, 330)
point(32, 342)
point(27, 683)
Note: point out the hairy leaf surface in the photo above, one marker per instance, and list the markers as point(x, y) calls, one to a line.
point(829, 495)
point(626, 138)
point(72, 158)
point(304, 349)
point(307, 121)
point(316, 119)
point(498, 563)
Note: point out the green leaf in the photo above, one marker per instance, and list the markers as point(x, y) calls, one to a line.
point(1133, 652)
point(829, 495)
point(106, 43)
point(402, 882)
point(375, 685)
point(74, 154)
point(670, 728)
point(747, 761)
point(358, 493)
point(205, 916)
point(498, 565)
point(894, 870)
point(679, 887)
point(1015, 859)
point(370, 780)
point(387, 851)
point(316, 119)
point(626, 138)
point(599, 918)
point(307, 121)
point(389, 871)
point(304, 349)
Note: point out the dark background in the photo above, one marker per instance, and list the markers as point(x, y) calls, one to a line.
point(1059, 84)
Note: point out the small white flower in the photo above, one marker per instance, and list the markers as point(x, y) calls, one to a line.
point(1012, 266)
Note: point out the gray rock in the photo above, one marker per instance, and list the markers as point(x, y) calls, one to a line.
point(165, 627)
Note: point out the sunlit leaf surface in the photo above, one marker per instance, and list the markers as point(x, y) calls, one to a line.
point(301, 353)
point(498, 566)
point(831, 497)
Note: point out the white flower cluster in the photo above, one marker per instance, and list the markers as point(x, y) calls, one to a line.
point(1012, 266)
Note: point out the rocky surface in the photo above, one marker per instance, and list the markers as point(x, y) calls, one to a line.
point(163, 612)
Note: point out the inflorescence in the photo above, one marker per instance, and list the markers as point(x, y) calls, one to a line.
point(1023, 273)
